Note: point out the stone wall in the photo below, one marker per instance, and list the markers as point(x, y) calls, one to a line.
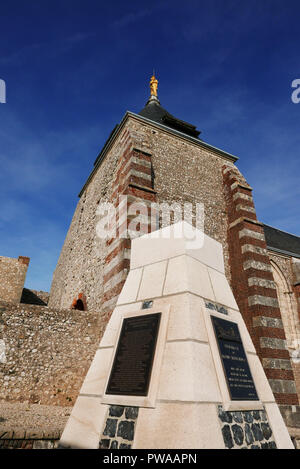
point(182, 172)
point(31, 426)
point(118, 432)
point(246, 430)
point(80, 265)
point(284, 276)
point(12, 277)
point(186, 172)
point(47, 352)
point(254, 287)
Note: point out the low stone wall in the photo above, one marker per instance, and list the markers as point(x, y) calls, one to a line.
point(47, 352)
point(31, 426)
point(29, 441)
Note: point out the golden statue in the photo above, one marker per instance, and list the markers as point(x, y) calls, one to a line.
point(153, 85)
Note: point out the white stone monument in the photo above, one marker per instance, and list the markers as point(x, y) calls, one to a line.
point(176, 367)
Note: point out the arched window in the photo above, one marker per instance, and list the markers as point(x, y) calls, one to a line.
point(288, 308)
point(79, 303)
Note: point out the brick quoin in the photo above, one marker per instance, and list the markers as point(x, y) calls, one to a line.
point(134, 179)
point(255, 300)
point(24, 260)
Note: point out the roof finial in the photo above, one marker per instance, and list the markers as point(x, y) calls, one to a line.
point(153, 85)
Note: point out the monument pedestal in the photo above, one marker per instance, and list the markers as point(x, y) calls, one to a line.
point(176, 367)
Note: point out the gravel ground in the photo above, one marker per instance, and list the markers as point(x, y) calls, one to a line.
point(32, 417)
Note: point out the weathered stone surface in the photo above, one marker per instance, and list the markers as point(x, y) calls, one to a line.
point(177, 163)
point(277, 363)
point(227, 436)
point(238, 434)
point(282, 386)
point(224, 416)
point(114, 444)
point(110, 427)
point(291, 415)
point(104, 443)
point(131, 413)
point(248, 434)
point(257, 433)
point(252, 431)
point(237, 417)
point(48, 353)
point(268, 342)
point(264, 446)
point(266, 429)
point(248, 417)
point(116, 410)
point(12, 274)
point(126, 430)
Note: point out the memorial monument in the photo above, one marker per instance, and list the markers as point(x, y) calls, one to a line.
point(176, 367)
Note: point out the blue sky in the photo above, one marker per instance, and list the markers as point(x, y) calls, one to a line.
point(73, 68)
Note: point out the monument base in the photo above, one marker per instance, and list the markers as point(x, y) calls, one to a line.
point(193, 380)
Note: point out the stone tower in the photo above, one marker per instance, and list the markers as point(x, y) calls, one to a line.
point(154, 157)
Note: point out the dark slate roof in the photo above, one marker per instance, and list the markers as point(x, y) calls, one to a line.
point(282, 241)
point(155, 112)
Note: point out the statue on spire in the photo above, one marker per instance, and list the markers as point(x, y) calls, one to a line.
point(153, 85)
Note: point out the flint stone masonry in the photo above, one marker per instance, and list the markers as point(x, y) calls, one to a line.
point(119, 427)
point(177, 164)
point(28, 443)
point(12, 275)
point(31, 426)
point(48, 352)
point(246, 429)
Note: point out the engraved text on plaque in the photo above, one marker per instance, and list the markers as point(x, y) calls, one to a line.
point(235, 364)
point(132, 366)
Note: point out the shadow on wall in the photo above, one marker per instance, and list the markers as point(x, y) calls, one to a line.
point(31, 297)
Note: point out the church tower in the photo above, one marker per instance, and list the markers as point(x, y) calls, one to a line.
point(155, 158)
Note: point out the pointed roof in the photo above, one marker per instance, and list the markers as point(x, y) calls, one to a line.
point(155, 112)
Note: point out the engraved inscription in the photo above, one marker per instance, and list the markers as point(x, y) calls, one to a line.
point(235, 364)
point(132, 366)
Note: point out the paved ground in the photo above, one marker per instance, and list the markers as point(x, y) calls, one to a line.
point(32, 417)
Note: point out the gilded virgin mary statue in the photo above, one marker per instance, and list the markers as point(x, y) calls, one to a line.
point(153, 86)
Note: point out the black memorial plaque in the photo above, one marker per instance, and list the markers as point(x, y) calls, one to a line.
point(235, 364)
point(132, 366)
